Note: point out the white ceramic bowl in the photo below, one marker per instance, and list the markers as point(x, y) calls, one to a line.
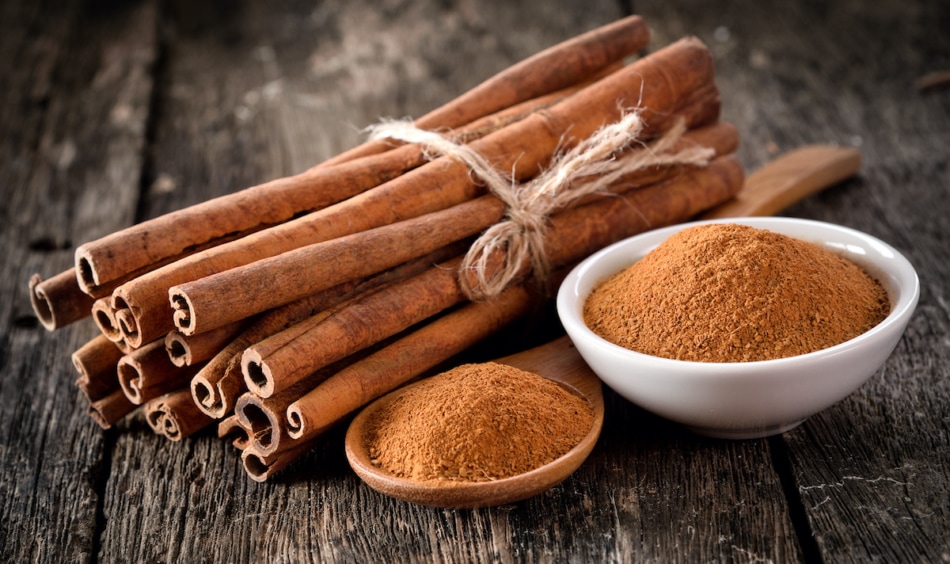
point(743, 399)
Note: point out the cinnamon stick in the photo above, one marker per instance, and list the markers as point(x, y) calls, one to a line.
point(273, 282)
point(96, 363)
point(185, 350)
point(231, 428)
point(502, 118)
point(263, 421)
point(278, 363)
point(216, 390)
point(111, 409)
point(175, 415)
point(128, 328)
point(261, 467)
point(575, 60)
point(58, 301)
point(523, 147)
point(147, 373)
point(359, 383)
point(124, 255)
point(254, 375)
point(133, 251)
point(104, 316)
point(722, 137)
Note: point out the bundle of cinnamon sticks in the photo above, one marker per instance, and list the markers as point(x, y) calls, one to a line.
point(277, 311)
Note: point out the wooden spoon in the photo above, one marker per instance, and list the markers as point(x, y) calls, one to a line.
point(789, 178)
point(778, 184)
point(558, 361)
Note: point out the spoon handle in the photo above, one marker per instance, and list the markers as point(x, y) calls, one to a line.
point(559, 360)
point(788, 179)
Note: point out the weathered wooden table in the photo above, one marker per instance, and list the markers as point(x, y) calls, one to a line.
point(114, 112)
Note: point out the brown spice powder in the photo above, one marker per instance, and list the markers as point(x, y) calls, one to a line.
point(733, 293)
point(476, 423)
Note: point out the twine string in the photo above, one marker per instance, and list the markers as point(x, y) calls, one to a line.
point(591, 166)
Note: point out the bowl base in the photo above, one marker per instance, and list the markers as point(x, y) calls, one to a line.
point(742, 434)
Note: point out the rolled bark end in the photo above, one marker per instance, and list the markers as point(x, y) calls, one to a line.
point(296, 425)
point(59, 301)
point(178, 350)
point(163, 423)
point(255, 466)
point(130, 379)
point(181, 311)
point(206, 397)
point(104, 317)
point(129, 327)
point(96, 363)
point(230, 428)
point(80, 366)
point(262, 425)
point(110, 409)
point(261, 466)
point(257, 375)
point(217, 387)
point(175, 415)
point(41, 305)
point(86, 274)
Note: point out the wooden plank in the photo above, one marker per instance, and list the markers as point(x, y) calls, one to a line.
point(73, 106)
point(259, 91)
point(871, 472)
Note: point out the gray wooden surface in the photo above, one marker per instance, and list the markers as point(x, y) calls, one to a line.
point(113, 112)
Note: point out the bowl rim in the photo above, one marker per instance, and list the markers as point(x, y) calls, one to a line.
point(571, 315)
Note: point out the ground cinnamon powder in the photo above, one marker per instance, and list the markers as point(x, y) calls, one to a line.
point(475, 423)
point(733, 293)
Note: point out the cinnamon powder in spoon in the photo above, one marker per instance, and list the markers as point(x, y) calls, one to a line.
point(476, 423)
point(733, 293)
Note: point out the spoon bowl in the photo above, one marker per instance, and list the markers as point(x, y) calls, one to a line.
point(558, 361)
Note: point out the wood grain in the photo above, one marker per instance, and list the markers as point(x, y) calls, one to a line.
point(113, 112)
point(74, 100)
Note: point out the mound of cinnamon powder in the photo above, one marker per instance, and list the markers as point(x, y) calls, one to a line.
point(475, 423)
point(733, 293)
